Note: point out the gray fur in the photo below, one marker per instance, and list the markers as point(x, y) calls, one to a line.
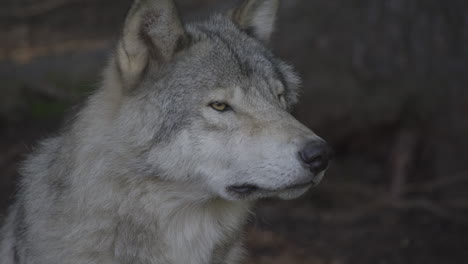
point(142, 174)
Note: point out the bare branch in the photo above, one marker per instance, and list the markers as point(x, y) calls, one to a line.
point(402, 155)
point(442, 182)
point(39, 8)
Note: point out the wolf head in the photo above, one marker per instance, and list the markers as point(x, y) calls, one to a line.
point(208, 104)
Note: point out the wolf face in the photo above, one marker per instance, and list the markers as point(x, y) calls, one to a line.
point(208, 103)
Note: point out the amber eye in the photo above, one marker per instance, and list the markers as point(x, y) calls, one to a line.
point(221, 107)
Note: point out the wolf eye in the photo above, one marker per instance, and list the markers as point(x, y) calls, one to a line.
point(220, 107)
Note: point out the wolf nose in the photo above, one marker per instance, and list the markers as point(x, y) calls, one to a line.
point(316, 155)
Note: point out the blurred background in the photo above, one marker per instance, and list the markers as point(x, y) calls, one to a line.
point(384, 81)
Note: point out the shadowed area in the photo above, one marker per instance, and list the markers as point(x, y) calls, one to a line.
point(384, 82)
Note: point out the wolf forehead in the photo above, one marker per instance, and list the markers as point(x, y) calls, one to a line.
point(216, 53)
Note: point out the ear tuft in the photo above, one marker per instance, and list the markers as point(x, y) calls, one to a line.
point(152, 31)
point(256, 17)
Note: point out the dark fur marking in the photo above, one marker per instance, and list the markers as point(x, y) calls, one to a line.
point(119, 67)
point(56, 182)
point(153, 50)
point(16, 257)
point(250, 31)
point(244, 68)
point(183, 42)
point(280, 75)
point(19, 231)
point(243, 64)
point(20, 228)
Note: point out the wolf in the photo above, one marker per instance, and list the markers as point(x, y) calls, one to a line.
point(190, 126)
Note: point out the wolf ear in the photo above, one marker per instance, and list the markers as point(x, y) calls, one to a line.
point(152, 33)
point(257, 17)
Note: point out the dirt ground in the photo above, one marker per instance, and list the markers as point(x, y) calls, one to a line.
point(330, 225)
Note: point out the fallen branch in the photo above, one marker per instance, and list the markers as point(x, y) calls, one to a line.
point(440, 183)
point(429, 206)
point(401, 157)
point(354, 188)
point(39, 8)
point(383, 203)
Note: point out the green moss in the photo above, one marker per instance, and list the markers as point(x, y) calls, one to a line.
point(76, 87)
point(41, 110)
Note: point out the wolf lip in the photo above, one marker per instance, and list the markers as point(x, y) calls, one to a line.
point(243, 189)
point(293, 186)
point(301, 185)
point(246, 189)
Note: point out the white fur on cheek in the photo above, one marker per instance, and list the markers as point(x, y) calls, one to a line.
point(175, 160)
point(213, 162)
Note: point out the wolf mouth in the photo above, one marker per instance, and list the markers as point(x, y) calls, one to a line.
point(246, 189)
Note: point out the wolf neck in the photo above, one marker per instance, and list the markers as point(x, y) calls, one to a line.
point(149, 216)
point(182, 221)
point(154, 215)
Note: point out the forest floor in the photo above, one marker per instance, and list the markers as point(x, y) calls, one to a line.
point(325, 226)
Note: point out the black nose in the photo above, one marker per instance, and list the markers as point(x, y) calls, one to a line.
point(316, 155)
